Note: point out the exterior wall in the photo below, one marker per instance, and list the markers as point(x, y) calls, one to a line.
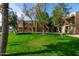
point(77, 22)
point(73, 24)
point(20, 23)
point(69, 22)
point(26, 26)
point(20, 26)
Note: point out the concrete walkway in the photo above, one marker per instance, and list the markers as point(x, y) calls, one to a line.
point(74, 35)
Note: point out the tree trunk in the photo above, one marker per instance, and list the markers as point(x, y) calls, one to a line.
point(32, 23)
point(4, 28)
point(43, 29)
point(36, 27)
point(63, 29)
point(58, 29)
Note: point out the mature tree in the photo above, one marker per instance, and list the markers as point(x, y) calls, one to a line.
point(29, 11)
point(50, 24)
point(3, 43)
point(41, 15)
point(44, 20)
point(37, 13)
point(57, 16)
point(59, 13)
point(65, 10)
point(12, 17)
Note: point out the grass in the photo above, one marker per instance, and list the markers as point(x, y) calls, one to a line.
point(0, 35)
point(42, 45)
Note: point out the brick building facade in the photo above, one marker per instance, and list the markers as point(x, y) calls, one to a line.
point(27, 26)
point(72, 22)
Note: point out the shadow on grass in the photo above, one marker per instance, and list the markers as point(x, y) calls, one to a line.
point(50, 33)
point(14, 44)
point(23, 33)
point(66, 48)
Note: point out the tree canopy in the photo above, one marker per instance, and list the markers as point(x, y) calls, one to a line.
point(12, 18)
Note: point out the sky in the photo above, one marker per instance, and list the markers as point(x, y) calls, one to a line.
point(18, 8)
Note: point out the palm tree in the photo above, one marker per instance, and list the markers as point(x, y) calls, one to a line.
point(4, 28)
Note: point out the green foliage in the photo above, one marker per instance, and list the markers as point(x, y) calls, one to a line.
point(57, 16)
point(64, 8)
point(60, 11)
point(50, 23)
point(41, 14)
point(43, 18)
point(12, 17)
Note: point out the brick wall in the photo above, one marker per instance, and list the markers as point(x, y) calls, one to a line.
point(77, 22)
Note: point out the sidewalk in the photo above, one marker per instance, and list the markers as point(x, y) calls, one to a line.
point(74, 35)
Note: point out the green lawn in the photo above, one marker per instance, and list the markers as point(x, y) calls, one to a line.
point(0, 34)
point(42, 45)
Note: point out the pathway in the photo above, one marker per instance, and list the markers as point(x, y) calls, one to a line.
point(74, 35)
